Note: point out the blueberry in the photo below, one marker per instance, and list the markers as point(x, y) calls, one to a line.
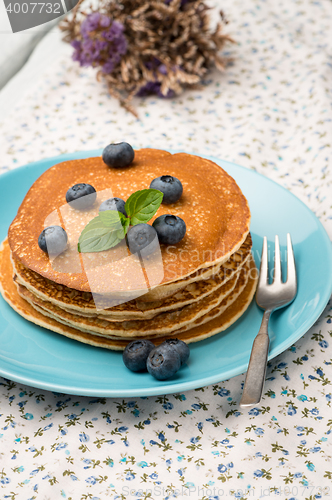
point(53, 240)
point(136, 353)
point(170, 186)
point(81, 196)
point(163, 362)
point(113, 204)
point(170, 229)
point(118, 155)
point(181, 347)
point(140, 236)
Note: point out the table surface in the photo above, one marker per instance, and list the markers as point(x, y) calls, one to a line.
point(270, 111)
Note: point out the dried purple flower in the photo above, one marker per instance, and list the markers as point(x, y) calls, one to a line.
point(99, 46)
point(154, 88)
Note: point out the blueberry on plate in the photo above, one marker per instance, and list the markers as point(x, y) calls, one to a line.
point(113, 204)
point(142, 236)
point(136, 353)
point(118, 155)
point(181, 347)
point(170, 186)
point(53, 240)
point(170, 229)
point(81, 196)
point(163, 362)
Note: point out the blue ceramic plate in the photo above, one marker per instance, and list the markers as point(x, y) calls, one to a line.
point(40, 358)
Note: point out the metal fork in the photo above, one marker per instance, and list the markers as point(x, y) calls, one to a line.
point(270, 298)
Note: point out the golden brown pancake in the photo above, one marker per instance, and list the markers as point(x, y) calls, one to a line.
point(237, 259)
point(212, 205)
point(82, 303)
point(22, 307)
point(163, 323)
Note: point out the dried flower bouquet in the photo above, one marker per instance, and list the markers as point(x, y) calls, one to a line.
point(145, 47)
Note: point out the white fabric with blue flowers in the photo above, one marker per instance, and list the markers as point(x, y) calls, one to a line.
point(269, 111)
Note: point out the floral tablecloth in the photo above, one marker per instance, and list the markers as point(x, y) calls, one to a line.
point(269, 111)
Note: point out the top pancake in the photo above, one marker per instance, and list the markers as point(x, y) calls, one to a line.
point(213, 207)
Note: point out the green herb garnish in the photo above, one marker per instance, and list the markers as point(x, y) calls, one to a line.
point(110, 227)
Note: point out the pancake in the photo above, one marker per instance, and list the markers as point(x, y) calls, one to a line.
point(236, 260)
point(215, 211)
point(163, 323)
point(42, 307)
point(206, 330)
point(82, 303)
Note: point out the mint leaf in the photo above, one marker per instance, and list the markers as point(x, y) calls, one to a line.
point(142, 205)
point(112, 218)
point(110, 227)
point(97, 236)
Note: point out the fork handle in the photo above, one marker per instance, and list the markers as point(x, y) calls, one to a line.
point(254, 383)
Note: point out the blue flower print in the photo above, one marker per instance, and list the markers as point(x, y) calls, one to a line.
point(254, 411)
point(47, 427)
point(61, 446)
point(302, 397)
point(142, 464)
point(291, 410)
point(91, 480)
point(258, 473)
point(222, 468)
point(223, 392)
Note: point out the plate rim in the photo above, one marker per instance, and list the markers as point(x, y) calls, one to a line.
point(175, 387)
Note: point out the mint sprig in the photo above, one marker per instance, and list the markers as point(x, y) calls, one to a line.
point(110, 227)
point(142, 205)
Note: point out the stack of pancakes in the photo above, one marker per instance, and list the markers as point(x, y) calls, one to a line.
point(207, 281)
